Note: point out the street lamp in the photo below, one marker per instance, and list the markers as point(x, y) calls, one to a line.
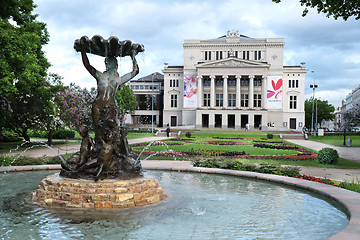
point(312, 112)
point(152, 103)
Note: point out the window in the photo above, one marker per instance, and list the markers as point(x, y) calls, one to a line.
point(170, 82)
point(244, 100)
point(236, 54)
point(293, 83)
point(219, 100)
point(259, 55)
point(206, 100)
point(257, 100)
point(293, 100)
point(207, 82)
point(244, 82)
point(232, 100)
point(232, 81)
point(177, 83)
point(207, 55)
point(257, 81)
point(244, 55)
point(173, 101)
point(247, 55)
point(219, 82)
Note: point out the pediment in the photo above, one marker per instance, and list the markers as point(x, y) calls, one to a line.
point(173, 91)
point(233, 63)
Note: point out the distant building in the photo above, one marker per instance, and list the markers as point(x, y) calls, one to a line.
point(232, 81)
point(149, 92)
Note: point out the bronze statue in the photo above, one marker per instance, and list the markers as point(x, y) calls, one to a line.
point(109, 156)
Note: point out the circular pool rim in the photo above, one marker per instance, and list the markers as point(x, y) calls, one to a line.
point(347, 199)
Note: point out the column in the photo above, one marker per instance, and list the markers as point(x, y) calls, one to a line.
point(264, 93)
point(225, 91)
point(251, 92)
point(212, 92)
point(200, 92)
point(238, 93)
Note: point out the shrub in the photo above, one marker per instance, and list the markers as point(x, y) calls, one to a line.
point(37, 133)
point(188, 134)
point(9, 137)
point(64, 134)
point(270, 136)
point(327, 156)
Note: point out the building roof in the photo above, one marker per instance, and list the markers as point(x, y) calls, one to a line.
point(156, 76)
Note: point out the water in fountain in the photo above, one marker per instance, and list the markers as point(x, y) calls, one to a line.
point(199, 206)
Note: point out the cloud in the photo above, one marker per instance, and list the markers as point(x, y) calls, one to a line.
point(329, 47)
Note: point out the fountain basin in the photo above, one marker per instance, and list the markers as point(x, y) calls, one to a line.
point(55, 190)
point(349, 202)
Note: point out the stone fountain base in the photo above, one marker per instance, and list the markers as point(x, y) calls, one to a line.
point(55, 190)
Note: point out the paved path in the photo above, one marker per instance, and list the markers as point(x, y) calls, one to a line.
point(71, 148)
point(350, 153)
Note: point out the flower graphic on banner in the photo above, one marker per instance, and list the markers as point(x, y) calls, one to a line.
point(276, 89)
point(190, 86)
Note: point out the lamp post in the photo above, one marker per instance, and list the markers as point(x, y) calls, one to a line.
point(152, 103)
point(312, 111)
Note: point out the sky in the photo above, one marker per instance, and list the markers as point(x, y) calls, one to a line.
point(330, 48)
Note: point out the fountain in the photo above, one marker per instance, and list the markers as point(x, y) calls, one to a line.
point(107, 160)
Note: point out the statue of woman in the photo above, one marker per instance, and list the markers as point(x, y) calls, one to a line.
point(104, 109)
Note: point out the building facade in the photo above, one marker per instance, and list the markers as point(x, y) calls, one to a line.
point(234, 81)
point(149, 93)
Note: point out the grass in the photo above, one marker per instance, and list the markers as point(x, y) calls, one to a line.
point(336, 140)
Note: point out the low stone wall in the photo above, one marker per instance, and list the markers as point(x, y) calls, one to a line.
point(55, 190)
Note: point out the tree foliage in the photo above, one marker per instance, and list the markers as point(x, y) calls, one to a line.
point(126, 101)
point(25, 92)
point(325, 111)
point(74, 106)
point(332, 8)
point(352, 117)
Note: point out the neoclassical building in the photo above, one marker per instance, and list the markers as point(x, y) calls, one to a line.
point(232, 81)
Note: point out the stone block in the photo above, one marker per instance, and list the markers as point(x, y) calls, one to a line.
point(107, 185)
point(122, 184)
point(120, 190)
point(88, 205)
point(103, 205)
point(123, 197)
point(140, 202)
point(153, 199)
point(90, 190)
point(100, 197)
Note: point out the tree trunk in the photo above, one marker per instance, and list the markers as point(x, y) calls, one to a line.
point(50, 137)
point(25, 135)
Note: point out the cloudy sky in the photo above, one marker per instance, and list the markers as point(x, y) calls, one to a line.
point(331, 48)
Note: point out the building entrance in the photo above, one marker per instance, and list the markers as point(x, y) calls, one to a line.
point(173, 121)
point(257, 120)
point(231, 121)
point(218, 120)
point(205, 120)
point(244, 120)
point(292, 123)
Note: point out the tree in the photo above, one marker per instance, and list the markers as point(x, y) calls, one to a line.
point(332, 8)
point(24, 91)
point(352, 117)
point(325, 111)
point(126, 101)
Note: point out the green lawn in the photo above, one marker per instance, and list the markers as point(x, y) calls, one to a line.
point(336, 140)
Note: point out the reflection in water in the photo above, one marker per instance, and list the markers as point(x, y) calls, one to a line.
point(198, 206)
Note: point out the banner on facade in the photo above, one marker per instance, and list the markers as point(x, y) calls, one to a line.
point(190, 91)
point(274, 92)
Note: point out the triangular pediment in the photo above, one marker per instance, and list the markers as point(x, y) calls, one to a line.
point(232, 62)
